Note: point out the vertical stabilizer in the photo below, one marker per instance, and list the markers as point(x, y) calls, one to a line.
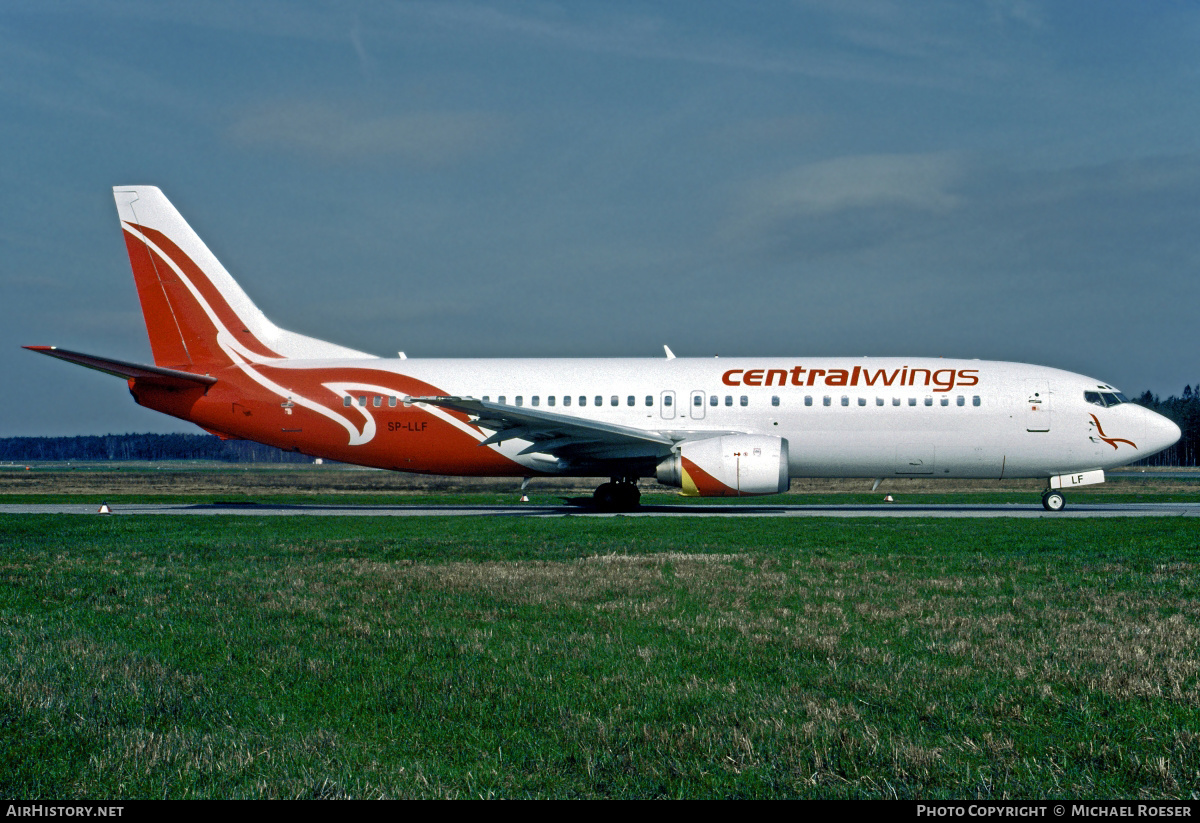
point(197, 316)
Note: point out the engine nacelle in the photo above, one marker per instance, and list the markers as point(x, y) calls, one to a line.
point(731, 466)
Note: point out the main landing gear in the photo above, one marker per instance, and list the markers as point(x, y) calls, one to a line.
point(1053, 500)
point(618, 495)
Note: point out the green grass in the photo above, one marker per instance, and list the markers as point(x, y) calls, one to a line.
point(580, 657)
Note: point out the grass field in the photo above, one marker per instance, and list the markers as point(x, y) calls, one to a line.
point(580, 657)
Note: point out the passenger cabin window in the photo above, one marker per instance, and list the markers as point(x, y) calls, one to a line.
point(362, 400)
point(567, 400)
point(520, 400)
point(878, 401)
point(826, 400)
point(712, 401)
point(550, 400)
point(774, 400)
point(845, 400)
point(392, 401)
point(649, 400)
point(808, 399)
point(945, 401)
point(377, 401)
point(501, 400)
point(862, 401)
point(729, 400)
point(895, 401)
point(960, 400)
point(599, 400)
point(745, 400)
point(912, 401)
point(616, 401)
point(928, 401)
point(631, 401)
point(975, 400)
point(583, 400)
point(698, 400)
point(347, 401)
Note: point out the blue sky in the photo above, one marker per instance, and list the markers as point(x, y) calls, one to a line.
point(1002, 180)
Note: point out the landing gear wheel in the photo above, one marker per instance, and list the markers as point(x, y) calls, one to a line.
point(1053, 501)
point(631, 498)
point(617, 496)
point(606, 497)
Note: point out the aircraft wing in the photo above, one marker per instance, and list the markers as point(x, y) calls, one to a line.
point(156, 375)
point(561, 434)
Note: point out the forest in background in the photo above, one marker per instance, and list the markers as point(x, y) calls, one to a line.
point(145, 447)
point(1184, 410)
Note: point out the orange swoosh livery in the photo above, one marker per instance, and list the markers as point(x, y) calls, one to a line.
point(740, 426)
point(1112, 441)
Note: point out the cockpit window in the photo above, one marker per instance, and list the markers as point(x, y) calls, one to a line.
point(1105, 398)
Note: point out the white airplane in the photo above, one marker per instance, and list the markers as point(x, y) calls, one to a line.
point(712, 427)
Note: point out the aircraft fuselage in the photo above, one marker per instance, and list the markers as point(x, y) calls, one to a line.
point(858, 417)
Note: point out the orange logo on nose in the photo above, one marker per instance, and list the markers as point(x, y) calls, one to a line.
point(1112, 441)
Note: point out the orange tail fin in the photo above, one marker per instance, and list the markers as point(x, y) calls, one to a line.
point(197, 316)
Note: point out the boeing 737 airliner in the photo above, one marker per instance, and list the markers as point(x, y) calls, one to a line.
point(712, 427)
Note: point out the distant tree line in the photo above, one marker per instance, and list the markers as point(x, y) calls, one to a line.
point(143, 447)
point(1184, 410)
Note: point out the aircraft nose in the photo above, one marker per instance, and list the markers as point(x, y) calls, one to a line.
point(1161, 432)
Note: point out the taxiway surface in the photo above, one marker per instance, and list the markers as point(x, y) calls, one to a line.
point(528, 510)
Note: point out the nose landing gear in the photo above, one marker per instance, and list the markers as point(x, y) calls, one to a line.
point(1053, 500)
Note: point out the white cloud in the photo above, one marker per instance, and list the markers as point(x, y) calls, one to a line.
point(923, 181)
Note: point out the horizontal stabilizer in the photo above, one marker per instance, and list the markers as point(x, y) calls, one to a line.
point(168, 378)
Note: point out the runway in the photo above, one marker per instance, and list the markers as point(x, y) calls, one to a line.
point(528, 510)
